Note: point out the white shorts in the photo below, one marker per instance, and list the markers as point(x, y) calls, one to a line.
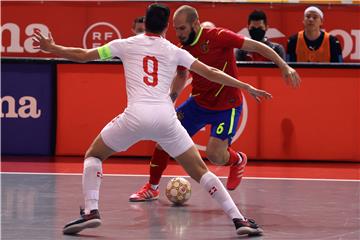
point(140, 121)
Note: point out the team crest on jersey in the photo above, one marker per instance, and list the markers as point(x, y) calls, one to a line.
point(204, 47)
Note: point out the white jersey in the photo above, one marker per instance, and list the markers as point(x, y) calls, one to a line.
point(150, 64)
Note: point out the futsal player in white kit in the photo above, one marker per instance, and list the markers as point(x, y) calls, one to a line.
point(150, 63)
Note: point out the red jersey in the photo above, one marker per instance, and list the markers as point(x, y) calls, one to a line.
point(215, 47)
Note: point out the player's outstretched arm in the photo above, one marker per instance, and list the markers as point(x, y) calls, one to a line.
point(290, 75)
point(178, 83)
point(74, 54)
point(215, 75)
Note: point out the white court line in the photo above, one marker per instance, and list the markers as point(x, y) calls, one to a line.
point(146, 175)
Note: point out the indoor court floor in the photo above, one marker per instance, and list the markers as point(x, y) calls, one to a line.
point(290, 200)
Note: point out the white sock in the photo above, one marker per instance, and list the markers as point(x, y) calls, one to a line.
point(91, 181)
point(154, 186)
point(213, 185)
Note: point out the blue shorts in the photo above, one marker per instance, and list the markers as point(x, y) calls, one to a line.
point(223, 123)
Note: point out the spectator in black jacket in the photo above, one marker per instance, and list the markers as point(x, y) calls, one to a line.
point(257, 26)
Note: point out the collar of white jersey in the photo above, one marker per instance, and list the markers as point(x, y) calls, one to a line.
point(153, 35)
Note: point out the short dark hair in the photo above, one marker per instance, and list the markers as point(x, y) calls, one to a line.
point(257, 15)
point(157, 18)
point(138, 20)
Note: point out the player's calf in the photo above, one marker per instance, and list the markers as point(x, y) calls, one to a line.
point(216, 152)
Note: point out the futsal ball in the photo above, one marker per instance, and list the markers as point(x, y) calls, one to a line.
point(178, 190)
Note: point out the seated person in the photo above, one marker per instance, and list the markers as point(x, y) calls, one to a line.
point(257, 26)
point(313, 44)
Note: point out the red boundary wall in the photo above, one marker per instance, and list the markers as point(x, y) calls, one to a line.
point(319, 121)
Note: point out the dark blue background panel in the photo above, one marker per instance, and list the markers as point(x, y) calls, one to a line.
point(27, 108)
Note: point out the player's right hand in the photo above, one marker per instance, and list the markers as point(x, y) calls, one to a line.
point(291, 77)
point(42, 42)
point(258, 94)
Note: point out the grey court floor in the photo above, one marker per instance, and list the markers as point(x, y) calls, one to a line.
point(38, 206)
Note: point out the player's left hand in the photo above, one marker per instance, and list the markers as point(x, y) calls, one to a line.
point(291, 77)
point(43, 42)
point(258, 94)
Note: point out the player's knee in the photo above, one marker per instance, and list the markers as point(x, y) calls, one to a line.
point(215, 157)
point(92, 152)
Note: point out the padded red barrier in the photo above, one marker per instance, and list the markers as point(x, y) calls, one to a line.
point(319, 121)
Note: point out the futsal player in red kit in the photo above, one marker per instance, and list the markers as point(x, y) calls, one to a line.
point(210, 103)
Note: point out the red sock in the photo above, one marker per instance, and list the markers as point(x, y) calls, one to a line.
point(159, 162)
point(234, 156)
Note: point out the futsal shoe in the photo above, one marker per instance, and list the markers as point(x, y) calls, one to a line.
point(247, 227)
point(91, 220)
point(146, 193)
point(236, 173)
